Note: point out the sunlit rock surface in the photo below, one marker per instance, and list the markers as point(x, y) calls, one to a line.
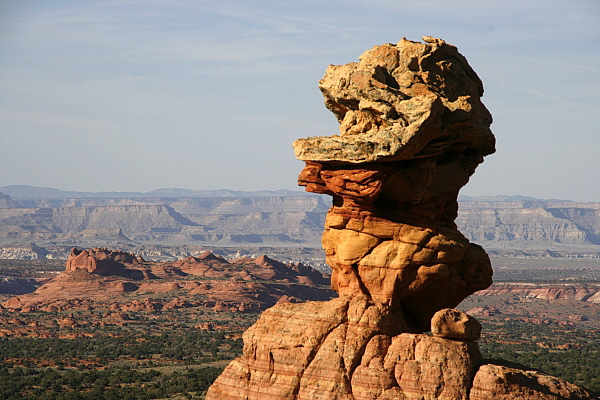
point(412, 132)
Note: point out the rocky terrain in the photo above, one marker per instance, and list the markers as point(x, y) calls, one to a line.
point(581, 292)
point(162, 227)
point(119, 281)
point(412, 132)
point(549, 326)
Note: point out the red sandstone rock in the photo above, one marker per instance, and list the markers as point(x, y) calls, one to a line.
point(101, 275)
point(484, 311)
point(67, 321)
point(455, 324)
point(204, 256)
point(177, 303)
point(412, 132)
point(206, 326)
point(340, 358)
point(100, 261)
point(504, 383)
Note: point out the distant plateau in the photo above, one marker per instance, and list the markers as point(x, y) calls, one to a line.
point(169, 224)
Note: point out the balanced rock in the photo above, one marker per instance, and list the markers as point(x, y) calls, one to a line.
point(454, 324)
point(412, 131)
point(405, 101)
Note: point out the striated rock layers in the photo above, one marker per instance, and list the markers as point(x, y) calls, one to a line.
point(103, 278)
point(101, 261)
point(412, 132)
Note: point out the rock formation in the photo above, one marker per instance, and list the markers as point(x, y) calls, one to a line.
point(101, 275)
point(587, 292)
point(101, 261)
point(412, 132)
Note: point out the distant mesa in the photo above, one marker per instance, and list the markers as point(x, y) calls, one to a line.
point(589, 293)
point(173, 221)
point(36, 192)
point(6, 201)
point(506, 198)
point(51, 226)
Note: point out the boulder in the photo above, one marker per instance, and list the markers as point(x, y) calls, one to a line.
point(505, 383)
point(455, 324)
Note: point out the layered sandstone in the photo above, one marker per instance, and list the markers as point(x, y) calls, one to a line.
point(586, 292)
point(93, 277)
point(412, 131)
point(101, 261)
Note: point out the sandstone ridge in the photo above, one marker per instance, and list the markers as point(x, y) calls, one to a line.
point(412, 131)
point(98, 276)
point(587, 292)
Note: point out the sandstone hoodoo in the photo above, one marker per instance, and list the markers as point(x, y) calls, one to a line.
point(412, 131)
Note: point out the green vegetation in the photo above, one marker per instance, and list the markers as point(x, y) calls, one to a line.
point(114, 354)
point(193, 348)
point(118, 383)
point(570, 354)
point(578, 366)
point(146, 367)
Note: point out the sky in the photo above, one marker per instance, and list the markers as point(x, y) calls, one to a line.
point(133, 95)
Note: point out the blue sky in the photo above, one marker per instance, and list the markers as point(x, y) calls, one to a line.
point(138, 95)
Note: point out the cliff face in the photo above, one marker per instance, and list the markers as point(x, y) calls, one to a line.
point(6, 201)
point(589, 292)
point(167, 221)
point(533, 223)
point(130, 219)
point(412, 132)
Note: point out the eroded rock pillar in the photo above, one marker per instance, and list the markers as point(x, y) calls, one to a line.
point(412, 131)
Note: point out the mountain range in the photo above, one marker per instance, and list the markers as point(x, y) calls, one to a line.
point(36, 192)
point(46, 222)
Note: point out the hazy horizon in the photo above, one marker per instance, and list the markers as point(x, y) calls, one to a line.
point(123, 95)
point(172, 192)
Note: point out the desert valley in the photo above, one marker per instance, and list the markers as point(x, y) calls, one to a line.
point(380, 283)
point(179, 304)
point(183, 320)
